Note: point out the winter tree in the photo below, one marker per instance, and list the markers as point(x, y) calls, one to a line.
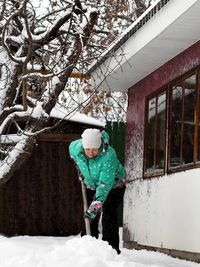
point(38, 54)
point(114, 17)
point(41, 49)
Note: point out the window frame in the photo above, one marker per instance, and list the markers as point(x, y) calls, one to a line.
point(168, 126)
point(148, 98)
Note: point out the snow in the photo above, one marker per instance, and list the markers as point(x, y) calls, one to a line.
point(57, 112)
point(76, 251)
point(61, 113)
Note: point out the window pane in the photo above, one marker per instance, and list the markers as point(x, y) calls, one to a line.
point(188, 123)
point(150, 137)
point(182, 122)
point(176, 119)
point(161, 122)
point(155, 134)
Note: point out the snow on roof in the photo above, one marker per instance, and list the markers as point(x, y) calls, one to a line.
point(61, 113)
point(58, 113)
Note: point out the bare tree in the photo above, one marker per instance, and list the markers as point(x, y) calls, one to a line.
point(38, 52)
point(115, 17)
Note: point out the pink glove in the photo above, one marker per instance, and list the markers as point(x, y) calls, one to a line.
point(94, 208)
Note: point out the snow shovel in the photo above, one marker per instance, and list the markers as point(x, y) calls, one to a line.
point(85, 207)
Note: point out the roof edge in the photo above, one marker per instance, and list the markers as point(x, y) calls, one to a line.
point(138, 24)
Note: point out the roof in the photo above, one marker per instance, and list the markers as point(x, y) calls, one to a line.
point(61, 113)
point(58, 113)
point(166, 29)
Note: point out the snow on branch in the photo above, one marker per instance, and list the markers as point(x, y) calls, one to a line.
point(16, 157)
point(51, 48)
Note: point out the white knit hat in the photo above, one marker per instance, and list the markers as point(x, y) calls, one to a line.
point(91, 138)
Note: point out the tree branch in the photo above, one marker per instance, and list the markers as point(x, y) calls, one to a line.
point(72, 59)
point(16, 157)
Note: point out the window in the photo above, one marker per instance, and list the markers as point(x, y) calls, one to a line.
point(172, 130)
point(155, 131)
point(182, 122)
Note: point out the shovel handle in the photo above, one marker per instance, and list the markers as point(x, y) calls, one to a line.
point(85, 207)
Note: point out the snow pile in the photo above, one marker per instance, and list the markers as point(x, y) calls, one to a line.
point(75, 251)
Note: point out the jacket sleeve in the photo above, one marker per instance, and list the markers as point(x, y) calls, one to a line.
point(106, 177)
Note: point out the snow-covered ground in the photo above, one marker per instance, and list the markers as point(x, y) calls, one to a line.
point(75, 251)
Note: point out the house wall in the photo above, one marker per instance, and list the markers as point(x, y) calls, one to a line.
point(160, 212)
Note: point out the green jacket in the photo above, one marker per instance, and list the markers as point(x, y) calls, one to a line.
point(101, 173)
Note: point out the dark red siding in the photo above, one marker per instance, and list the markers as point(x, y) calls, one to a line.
point(173, 69)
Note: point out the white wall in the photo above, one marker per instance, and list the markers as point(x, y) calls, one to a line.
point(165, 211)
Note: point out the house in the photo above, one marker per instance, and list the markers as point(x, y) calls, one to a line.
point(44, 197)
point(157, 60)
